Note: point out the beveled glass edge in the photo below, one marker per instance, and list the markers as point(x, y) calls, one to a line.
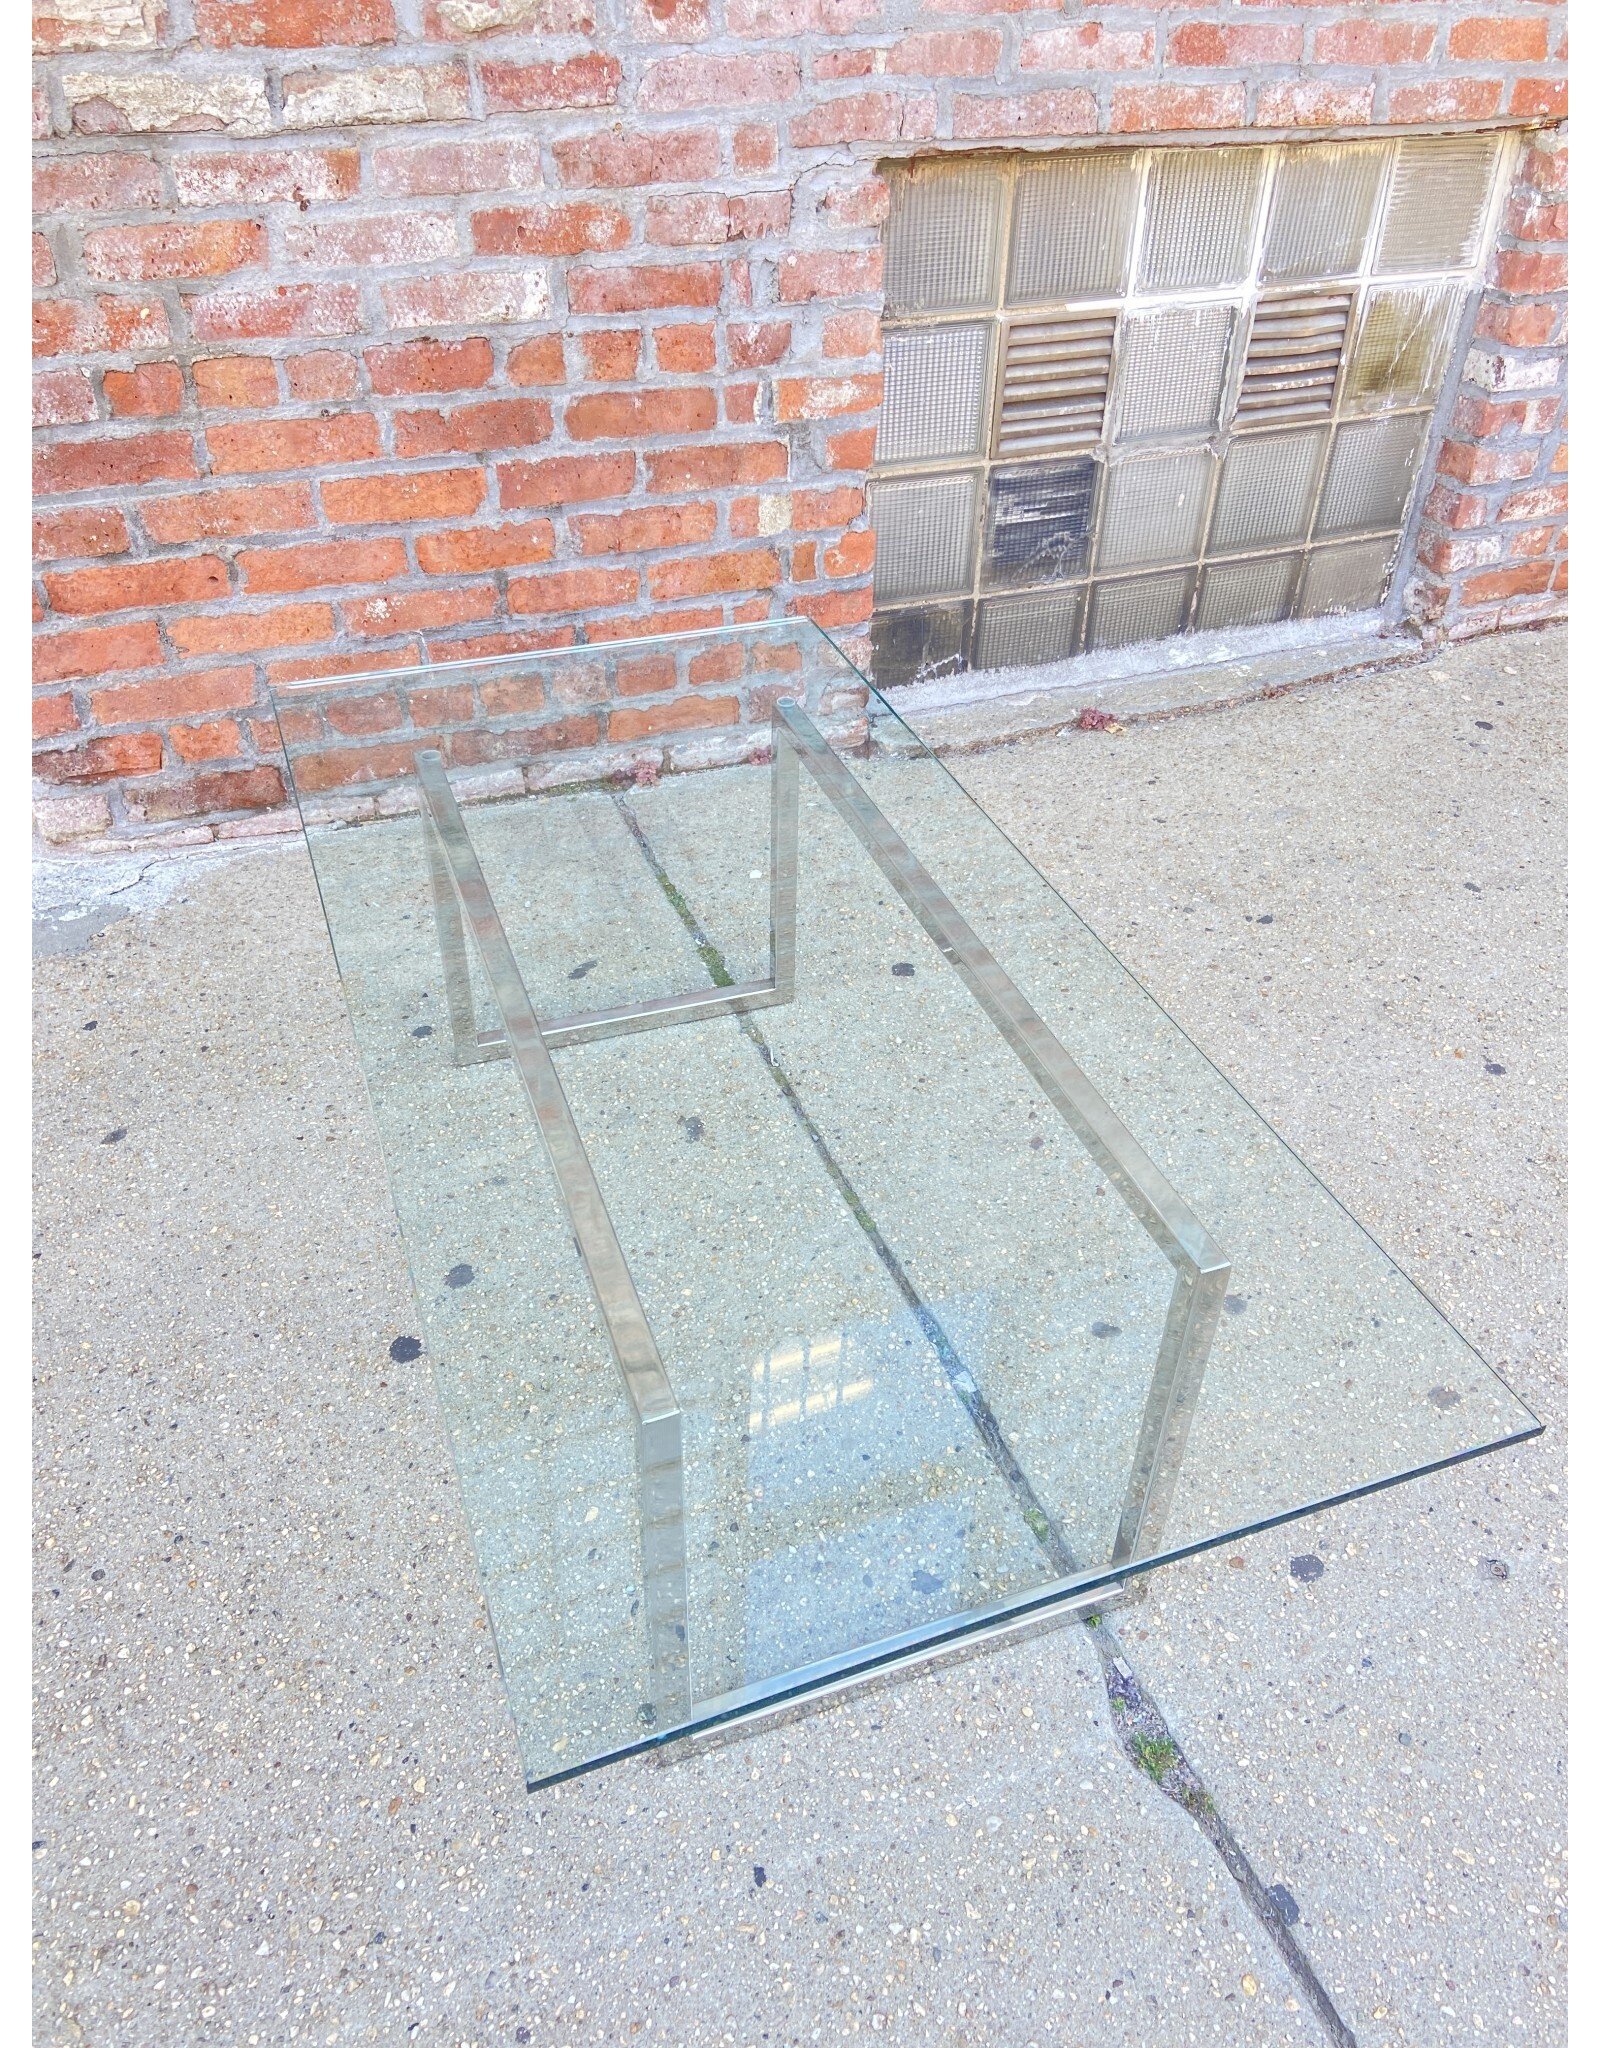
point(975, 1623)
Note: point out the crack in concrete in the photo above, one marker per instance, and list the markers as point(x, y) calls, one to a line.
point(1140, 1727)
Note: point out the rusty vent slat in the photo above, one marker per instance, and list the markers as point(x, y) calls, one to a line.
point(1292, 363)
point(1057, 374)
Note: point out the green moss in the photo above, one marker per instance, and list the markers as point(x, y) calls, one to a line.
point(1155, 1755)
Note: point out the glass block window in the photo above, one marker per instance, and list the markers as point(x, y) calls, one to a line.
point(1137, 392)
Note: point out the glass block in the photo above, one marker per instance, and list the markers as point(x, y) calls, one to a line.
point(1170, 370)
point(1351, 579)
point(1140, 608)
point(942, 248)
point(1402, 346)
point(1370, 475)
point(914, 646)
point(1022, 632)
point(1156, 508)
point(1437, 201)
point(1320, 214)
point(924, 527)
point(1072, 227)
point(1247, 593)
point(935, 392)
point(1268, 489)
point(1200, 217)
point(1040, 522)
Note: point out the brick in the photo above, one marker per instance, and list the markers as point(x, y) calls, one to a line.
point(850, 336)
point(469, 549)
point(1445, 99)
point(864, 117)
point(228, 514)
point(1519, 325)
point(240, 632)
point(259, 788)
point(539, 360)
point(512, 696)
point(469, 429)
point(376, 241)
point(680, 714)
point(430, 366)
point(80, 530)
point(161, 99)
point(323, 374)
point(1087, 46)
point(298, 176)
point(755, 146)
point(151, 391)
point(829, 274)
point(739, 404)
point(612, 161)
point(587, 81)
point(816, 511)
point(852, 449)
point(522, 640)
point(341, 767)
point(709, 467)
point(572, 590)
point(1474, 465)
point(622, 415)
point(650, 527)
point(1176, 109)
point(218, 740)
point(259, 446)
point(502, 164)
point(712, 575)
point(1374, 43)
point(1503, 39)
point(138, 586)
point(675, 84)
point(857, 202)
point(464, 298)
point(1545, 501)
point(175, 696)
point(272, 312)
point(1524, 271)
point(300, 668)
point(110, 464)
point(63, 398)
point(947, 53)
point(709, 219)
point(98, 326)
point(277, 572)
point(643, 287)
point(836, 608)
point(116, 181)
point(96, 651)
point(451, 705)
point(564, 480)
point(52, 716)
point(235, 381)
point(1531, 220)
point(686, 350)
point(611, 355)
point(758, 344)
point(572, 229)
point(44, 263)
point(755, 18)
point(381, 93)
point(388, 498)
point(293, 24)
point(1308, 103)
point(406, 611)
point(823, 398)
point(173, 249)
point(724, 664)
point(555, 735)
point(129, 753)
point(1539, 99)
point(1521, 579)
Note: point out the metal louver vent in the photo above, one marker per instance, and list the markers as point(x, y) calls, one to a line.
point(1292, 363)
point(1056, 376)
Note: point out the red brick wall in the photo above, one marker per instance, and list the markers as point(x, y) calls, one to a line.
point(381, 331)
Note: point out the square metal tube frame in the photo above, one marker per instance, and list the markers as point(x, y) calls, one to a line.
point(463, 904)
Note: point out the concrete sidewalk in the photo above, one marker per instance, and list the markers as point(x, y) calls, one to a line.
point(279, 1797)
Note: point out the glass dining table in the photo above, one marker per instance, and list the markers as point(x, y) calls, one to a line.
point(826, 1251)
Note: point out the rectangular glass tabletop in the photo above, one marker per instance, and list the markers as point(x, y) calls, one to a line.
point(824, 1247)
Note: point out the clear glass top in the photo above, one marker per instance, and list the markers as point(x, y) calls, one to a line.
point(823, 1244)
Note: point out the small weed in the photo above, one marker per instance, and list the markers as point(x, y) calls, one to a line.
point(1155, 1755)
